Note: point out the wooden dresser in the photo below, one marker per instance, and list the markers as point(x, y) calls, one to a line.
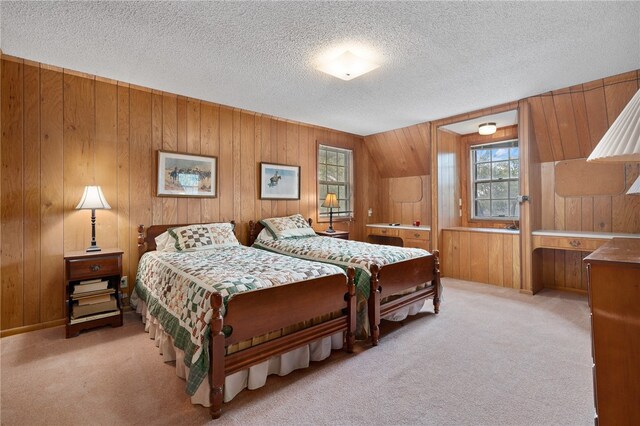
point(614, 298)
point(403, 235)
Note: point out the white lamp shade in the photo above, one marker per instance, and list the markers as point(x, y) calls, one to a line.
point(622, 140)
point(93, 198)
point(347, 66)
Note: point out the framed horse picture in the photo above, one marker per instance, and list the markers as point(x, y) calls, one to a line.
point(279, 182)
point(187, 175)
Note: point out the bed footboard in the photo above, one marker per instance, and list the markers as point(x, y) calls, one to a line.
point(396, 277)
point(258, 312)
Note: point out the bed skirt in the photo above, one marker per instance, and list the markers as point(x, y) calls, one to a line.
point(251, 378)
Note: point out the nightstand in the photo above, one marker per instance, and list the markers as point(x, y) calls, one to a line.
point(92, 289)
point(338, 234)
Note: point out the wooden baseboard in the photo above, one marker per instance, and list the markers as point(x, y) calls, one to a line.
point(568, 289)
point(26, 328)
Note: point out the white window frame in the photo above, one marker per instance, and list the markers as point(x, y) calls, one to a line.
point(346, 197)
point(511, 198)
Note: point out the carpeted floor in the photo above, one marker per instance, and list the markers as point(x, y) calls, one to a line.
point(492, 356)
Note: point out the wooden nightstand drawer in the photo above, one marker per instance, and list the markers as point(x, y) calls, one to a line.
point(96, 267)
point(415, 234)
point(386, 232)
point(570, 243)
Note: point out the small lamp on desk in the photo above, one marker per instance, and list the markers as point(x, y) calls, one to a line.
point(331, 201)
point(93, 199)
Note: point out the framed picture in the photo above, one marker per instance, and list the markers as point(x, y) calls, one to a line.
point(279, 182)
point(187, 175)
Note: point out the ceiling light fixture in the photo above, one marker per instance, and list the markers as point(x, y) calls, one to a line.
point(487, 128)
point(347, 66)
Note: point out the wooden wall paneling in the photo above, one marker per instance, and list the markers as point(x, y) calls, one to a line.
point(618, 92)
point(547, 198)
point(292, 158)
point(265, 155)
point(581, 120)
point(12, 214)
point(516, 257)
point(124, 179)
point(596, 107)
point(559, 270)
point(182, 145)
point(572, 212)
point(52, 196)
point(248, 173)
point(1, 182)
point(586, 213)
point(106, 153)
point(236, 133)
point(169, 143)
point(465, 255)
point(141, 187)
point(507, 259)
point(194, 213)
point(566, 125)
point(79, 128)
point(31, 194)
point(305, 177)
point(541, 133)
point(602, 213)
point(479, 260)
point(210, 145)
point(559, 212)
point(529, 185)
point(496, 259)
point(552, 126)
point(156, 144)
point(573, 270)
point(225, 166)
point(401, 152)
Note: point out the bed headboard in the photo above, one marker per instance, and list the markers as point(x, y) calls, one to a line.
point(147, 236)
point(256, 227)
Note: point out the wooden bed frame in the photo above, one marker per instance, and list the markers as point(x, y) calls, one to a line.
point(389, 280)
point(278, 307)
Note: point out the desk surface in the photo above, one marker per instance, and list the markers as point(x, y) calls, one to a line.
point(582, 234)
point(401, 226)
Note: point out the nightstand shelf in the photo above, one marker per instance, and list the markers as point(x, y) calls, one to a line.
point(338, 234)
point(92, 290)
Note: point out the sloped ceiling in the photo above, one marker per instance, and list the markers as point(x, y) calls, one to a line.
point(437, 59)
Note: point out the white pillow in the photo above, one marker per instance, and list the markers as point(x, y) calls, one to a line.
point(264, 235)
point(164, 242)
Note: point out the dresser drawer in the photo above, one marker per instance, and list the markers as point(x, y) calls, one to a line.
point(386, 232)
point(569, 243)
point(96, 267)
point(423, 244)
point(410, 234)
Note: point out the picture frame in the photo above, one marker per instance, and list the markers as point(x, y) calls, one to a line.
point(279, 182)
point(186, 175)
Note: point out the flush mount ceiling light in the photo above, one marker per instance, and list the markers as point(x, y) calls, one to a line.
point(487, 128)
point(347, 66)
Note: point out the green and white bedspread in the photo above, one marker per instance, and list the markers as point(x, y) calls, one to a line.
point(177, 286)
point(344, 253)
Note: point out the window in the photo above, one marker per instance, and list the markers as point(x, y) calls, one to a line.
point(495, 169)
point(335, 171)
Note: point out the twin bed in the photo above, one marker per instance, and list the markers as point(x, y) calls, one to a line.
point(230, 315)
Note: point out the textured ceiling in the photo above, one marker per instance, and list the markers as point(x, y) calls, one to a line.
point(436, 59)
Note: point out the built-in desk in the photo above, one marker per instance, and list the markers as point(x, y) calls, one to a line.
point(582, 241)
point(574, 240)
point(404, 235)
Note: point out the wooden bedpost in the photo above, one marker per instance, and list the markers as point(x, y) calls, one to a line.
point(141, 243)
point(216, 354)
point(351, 309)
point(374, 305)
point(436, 281)
point(310, 222)
point(252, 230)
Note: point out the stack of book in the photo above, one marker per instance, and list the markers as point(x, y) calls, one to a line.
point(92, 299)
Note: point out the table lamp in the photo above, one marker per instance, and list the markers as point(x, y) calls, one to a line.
point(331, 201)
point(93, 199)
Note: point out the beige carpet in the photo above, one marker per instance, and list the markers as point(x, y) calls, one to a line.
point(491, 357)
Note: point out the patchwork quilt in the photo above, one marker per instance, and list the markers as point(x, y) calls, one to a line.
point(177, 286)
point(344, 253)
